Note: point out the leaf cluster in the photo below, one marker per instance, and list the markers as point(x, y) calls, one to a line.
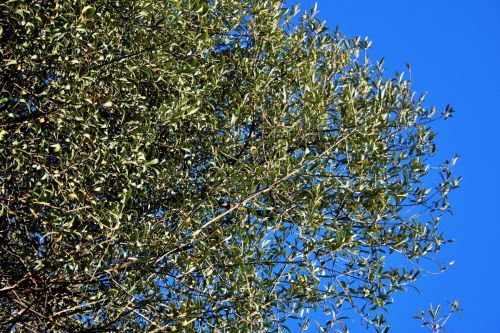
point(192, 165)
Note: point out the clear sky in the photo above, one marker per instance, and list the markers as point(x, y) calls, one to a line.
point(454, 51)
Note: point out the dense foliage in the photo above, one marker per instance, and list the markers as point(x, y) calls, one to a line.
point(191, 165)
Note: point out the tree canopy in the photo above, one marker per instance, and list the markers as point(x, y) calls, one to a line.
point(204, 166)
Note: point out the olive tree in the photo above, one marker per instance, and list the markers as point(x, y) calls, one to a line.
point(204, 166)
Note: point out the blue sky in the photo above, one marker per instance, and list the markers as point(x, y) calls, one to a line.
point(454, 51)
